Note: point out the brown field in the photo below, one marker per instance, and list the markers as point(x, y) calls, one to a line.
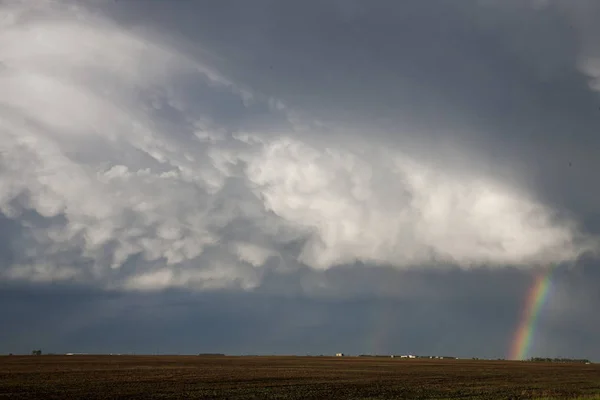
point(184, 377)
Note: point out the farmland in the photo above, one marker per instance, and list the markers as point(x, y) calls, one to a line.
point(170, 377)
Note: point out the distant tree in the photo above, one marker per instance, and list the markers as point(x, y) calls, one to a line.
point(36, 352)
point(559, 360)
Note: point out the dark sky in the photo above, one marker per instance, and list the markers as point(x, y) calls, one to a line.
point(298, 177)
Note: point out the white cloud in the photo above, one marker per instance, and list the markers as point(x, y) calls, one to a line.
point(141, 189)
point(398, 211)
point(252, 254)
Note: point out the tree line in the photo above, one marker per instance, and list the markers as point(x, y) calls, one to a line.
point(560, 360)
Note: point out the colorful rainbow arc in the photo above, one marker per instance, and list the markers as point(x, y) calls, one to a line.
point(536, 298)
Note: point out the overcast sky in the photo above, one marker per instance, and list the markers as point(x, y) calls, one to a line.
point(298, 177)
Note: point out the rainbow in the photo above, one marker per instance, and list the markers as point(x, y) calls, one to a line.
point(535, 300)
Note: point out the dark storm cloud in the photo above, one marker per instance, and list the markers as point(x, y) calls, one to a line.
point(389, 134)
point(314, 176)
point(468, 315)
point(502, 77)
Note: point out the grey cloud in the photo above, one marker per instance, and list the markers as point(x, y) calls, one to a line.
point(469, 314)
point(503, 79)
point(173, 169)
point(276, 158)
point(250, 323)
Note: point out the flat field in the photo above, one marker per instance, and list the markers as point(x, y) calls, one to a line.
point(208, 377)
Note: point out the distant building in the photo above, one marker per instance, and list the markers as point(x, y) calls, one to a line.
point(339, 354)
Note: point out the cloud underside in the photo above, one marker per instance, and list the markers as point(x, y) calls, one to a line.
point(127, 163)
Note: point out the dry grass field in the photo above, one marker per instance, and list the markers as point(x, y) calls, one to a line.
point(199, 377)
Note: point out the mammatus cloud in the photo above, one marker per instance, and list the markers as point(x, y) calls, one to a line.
point(127, 163)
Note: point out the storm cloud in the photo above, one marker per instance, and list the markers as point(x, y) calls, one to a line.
point(336, 150)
